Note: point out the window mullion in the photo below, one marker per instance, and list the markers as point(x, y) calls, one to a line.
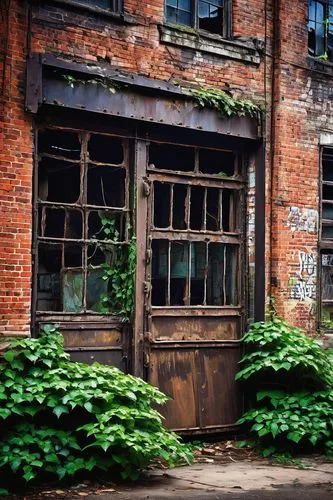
point(195, 13)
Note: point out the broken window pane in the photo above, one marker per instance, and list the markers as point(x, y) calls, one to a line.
point(106, 186)
point(106, 149)
point(48, 278)
point(72, 255)
point(106, 225)
point(97, 291)
point(54, 222)
point(59, 142)
point(179, 206)
point(220, 163)
point(58, 181)
point(213, 210)
point(73, 224)
point(229, 219)
point(162, 199)
point(198, 272)
point(197, 207)
point(170, 157)
point(160, 251)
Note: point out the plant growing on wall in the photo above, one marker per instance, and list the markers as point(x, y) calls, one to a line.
point(223, 103)
point(291, 376)
point(118, 271)
point(60, 417)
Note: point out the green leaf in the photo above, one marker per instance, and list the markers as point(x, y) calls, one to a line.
point(294, 436)
point(59, 410)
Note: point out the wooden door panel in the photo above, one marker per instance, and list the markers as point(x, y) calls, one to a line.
point(219, 392)
point(174, 373)
point(197, 328)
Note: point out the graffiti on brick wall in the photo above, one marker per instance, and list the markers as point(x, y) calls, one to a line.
point(302, 220)
point(303, 283)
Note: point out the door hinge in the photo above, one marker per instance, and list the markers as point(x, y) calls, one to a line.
point(146, 359)
point(148, 256)
point(146, 185)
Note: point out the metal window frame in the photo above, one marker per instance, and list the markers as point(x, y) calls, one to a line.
point(327, 4)
point(324, 244)
point(226, 27)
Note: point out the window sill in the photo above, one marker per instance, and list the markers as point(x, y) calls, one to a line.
point(318, 65)
point(247, 50)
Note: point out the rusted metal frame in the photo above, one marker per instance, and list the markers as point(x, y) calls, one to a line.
point(57, 204)
point(184, 235)
point(129, 104)
point(58, 157)
point(194, 344)
point(200, 310)
point(187, 298)
point(140, 278)
point(104, 70)
point(224, 275)
point(205, 275)
point(204, 208)
point(220, 210)
point(83, 196)
point(187, 178)
point(259, 293)
point(169, 274)
point(171, 205)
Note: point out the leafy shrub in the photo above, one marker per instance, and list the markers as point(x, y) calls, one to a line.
point(61, 417)
point(292, 376)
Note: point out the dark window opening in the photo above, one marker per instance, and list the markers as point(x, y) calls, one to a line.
point(77, 246)
point(162, 200)
point(220, 163)
point(169, 157)
point(58, 181)
point(179, 206)
point(197, 212)
point(106, 186)
point(320, 29)
point(213, 210)
point(229, 207)
point(194, 273)
point(208, 15)
point(106, 149)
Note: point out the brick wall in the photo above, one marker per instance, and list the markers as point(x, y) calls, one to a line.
point(134, 46)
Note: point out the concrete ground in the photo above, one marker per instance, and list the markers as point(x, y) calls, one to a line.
point(245, 480)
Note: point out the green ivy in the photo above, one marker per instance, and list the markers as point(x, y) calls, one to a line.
point(61, 417)
point(223, 103)
point(292, 378)
point(119, 272)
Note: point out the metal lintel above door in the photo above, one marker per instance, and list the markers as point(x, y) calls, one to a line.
point(136, 98)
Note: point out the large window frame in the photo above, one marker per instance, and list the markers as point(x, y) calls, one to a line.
point(326, 239)
point(190, 15)
point(320, 29)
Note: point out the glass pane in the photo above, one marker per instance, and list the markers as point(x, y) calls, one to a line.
point(159, 272)
point(327, 232)
point(72, 290)
point(210, 17)
point(179, 270)
point(198, 271)
point(327, 211)
point(327, 276)
point(97, 291)
point(216, 292)
point(171, 15)
point(231, 279)
point(184, 18)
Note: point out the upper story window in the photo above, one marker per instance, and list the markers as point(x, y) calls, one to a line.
point(208, 15)
point(114, 6)
point(320, 29)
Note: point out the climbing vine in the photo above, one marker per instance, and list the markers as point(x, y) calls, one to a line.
point(118, 271)
point(223, 103)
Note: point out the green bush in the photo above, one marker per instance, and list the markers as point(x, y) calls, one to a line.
point(61, 417)
point(291, 376)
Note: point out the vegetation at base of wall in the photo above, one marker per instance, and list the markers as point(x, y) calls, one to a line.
point(291, 378)
point(60, 417)
point(223, 103)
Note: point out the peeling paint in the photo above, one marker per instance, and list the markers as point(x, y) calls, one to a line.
point(302, 220)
